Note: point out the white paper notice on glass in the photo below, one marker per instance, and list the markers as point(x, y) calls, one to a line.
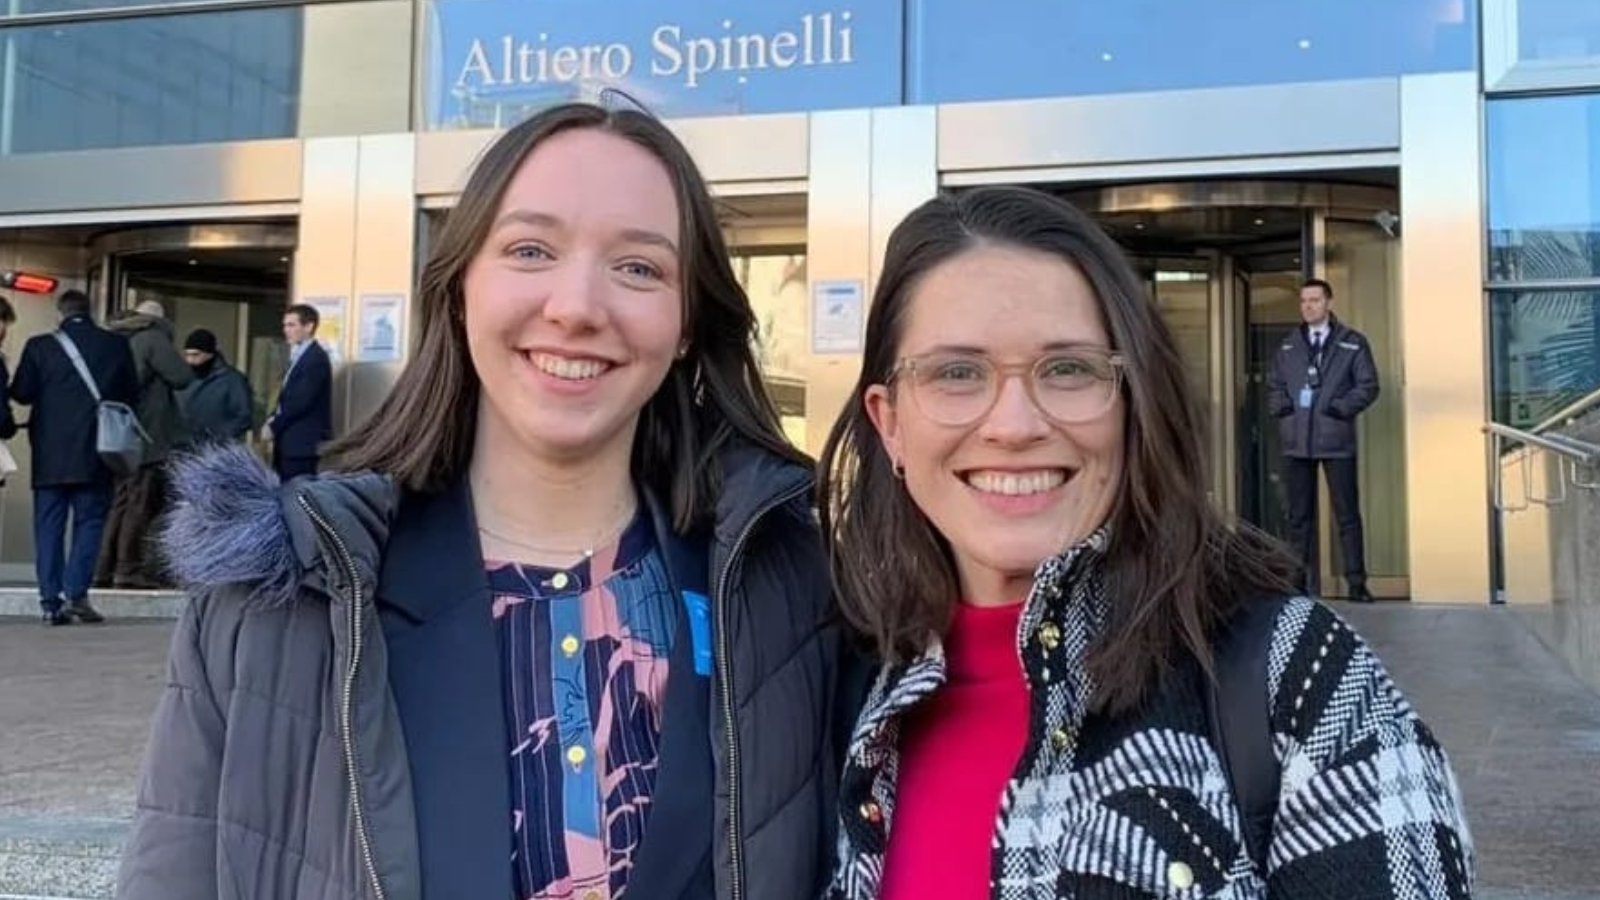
point(836, 310)
point(382, 318)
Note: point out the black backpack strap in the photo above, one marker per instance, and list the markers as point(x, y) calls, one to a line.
point(1241, 723)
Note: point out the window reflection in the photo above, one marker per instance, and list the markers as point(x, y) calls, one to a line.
point(1558, 30)
point(1546, 352)
point(980, 50)
point(158, 80)
point(1544, 188)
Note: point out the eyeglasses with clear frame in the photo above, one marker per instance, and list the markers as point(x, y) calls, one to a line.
point(955, 388)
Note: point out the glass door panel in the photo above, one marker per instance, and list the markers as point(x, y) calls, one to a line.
point(1362, 264)
point(1270, 308)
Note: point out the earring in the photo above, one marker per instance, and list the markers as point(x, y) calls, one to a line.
point(683, 349)
point(899, 469)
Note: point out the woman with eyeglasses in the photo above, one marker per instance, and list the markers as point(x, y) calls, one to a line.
point(1092, 686)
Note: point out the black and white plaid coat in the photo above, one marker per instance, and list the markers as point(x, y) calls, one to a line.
point(1138, 806)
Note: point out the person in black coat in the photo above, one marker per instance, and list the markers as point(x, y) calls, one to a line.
point(1322, 378)
point(304, 416)
point(68, 476)
point(217, 408)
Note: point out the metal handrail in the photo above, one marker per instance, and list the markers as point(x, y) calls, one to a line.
point(1569, 412)
point(1573, 454)
point(1570, 447)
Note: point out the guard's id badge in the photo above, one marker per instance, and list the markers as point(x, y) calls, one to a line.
point(1305, 397)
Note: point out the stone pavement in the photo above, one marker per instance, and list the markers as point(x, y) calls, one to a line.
point(1523, 733)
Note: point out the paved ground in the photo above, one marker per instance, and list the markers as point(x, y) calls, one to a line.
point(1523, 733)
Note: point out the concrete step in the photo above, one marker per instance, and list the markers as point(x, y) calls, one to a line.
point(112, 603)
point(60, 857)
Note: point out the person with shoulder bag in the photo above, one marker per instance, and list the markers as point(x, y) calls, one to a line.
point(554, 622)
point(1090, 683)
point(81, 383)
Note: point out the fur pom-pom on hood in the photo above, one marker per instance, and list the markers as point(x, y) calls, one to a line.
point(232, 524)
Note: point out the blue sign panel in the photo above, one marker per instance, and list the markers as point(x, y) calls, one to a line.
point(967, 50)
point(489, 62)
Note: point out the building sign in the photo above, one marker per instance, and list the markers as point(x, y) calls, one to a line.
point(491, 62)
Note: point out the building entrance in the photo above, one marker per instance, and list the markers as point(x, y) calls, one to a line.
point(231, 279)
point(1224, 261)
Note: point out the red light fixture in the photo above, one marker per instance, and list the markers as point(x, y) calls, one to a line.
point(28, 283)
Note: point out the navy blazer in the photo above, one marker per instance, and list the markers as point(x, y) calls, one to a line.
point(63, 423)
point(445, 677)
point(304, 418)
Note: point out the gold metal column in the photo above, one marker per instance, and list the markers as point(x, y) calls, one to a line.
point(868, 169)
point(1441, 202)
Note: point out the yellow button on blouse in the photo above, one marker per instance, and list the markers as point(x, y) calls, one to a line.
point(576, 756)
point(559, 581)
point(570, 645)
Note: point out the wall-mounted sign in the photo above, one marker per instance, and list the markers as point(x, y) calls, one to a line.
point(383, 320)
point(836, 316)
point(330, 325)
point(491, 62)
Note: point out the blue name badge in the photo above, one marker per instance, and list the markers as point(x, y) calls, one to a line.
point(1305, 397)
point(698, 608)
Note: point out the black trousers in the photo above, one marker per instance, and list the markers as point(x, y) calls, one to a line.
point(1345, 493)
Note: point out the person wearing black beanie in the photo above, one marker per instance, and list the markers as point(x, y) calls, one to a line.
point(217, 407)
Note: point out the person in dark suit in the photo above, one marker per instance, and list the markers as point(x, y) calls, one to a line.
point(303, 419)
point(1322, 379)
point(68, 476)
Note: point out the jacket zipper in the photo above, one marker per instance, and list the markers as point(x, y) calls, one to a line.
point(347, 695)
point(725, 674)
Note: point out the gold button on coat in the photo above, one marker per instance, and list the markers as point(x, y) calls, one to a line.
point(1180, 876)
point(1050, 635)
point(1059, 739)
point(871, 812)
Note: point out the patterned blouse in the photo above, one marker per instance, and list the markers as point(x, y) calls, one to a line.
point(584, 656)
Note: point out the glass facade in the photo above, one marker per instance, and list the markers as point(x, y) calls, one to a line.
point(172, 79)
point(1544, 253)
point(487, 62)
point(1546, 352)
point(1544, 187)
point(1558, 31)
point(961, 50)
point(27, 7)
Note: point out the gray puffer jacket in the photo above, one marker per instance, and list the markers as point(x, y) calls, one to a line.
point(331, 726)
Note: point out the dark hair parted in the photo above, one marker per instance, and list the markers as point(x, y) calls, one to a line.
point(1327, 289)
point(306, 313)
point(73, 302)
point(422, 434)
point(1175, 567)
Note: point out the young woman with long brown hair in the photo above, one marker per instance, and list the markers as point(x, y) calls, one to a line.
point(555, 625)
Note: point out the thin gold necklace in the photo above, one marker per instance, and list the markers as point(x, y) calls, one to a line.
point(601, 540)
